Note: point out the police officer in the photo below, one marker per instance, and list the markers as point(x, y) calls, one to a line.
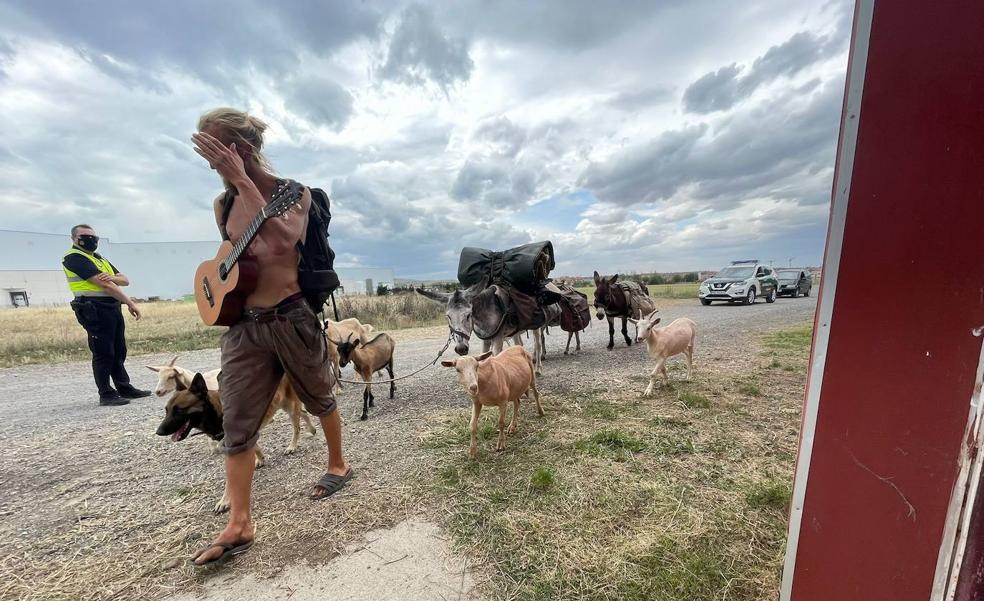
point(96, 286)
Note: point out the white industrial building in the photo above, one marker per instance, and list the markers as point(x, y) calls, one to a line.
point(31, 272)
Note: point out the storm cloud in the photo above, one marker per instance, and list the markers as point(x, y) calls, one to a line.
point(643, 135)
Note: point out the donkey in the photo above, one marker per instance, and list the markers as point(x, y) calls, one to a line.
point(612, 301)
point(462, 322)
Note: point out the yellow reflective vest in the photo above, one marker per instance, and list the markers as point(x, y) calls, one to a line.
point(80, 286)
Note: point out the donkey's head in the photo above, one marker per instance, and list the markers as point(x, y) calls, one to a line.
point(603, 293)
point(459, 314)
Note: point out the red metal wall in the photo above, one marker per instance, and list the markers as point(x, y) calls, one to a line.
point(901, 361)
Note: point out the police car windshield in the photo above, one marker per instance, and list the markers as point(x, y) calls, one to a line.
point(788, 275)
point(736, 272)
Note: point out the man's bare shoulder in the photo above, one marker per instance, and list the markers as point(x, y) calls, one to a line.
point(217, 203)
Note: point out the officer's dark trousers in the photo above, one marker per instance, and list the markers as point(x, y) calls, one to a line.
point(104, 324)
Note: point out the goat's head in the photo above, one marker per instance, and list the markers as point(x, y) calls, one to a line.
point(167, 377)
point(645, 325)
point(458, 310)
point(345, 348)
point(467, 368)
point(603, 293)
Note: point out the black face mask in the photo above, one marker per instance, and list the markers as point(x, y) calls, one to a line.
point(89, 243)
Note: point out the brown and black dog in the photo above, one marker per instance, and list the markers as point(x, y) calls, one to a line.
point(195, 407)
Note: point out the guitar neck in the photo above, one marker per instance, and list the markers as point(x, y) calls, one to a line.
point(244, 241)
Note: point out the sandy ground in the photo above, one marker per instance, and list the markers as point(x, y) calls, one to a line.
point(95, 506)
point(409, 561)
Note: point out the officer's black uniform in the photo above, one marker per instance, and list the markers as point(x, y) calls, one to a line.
point(103, 322)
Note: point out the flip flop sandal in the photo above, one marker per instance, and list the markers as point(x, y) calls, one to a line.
point(332, 484)
point(229, 550)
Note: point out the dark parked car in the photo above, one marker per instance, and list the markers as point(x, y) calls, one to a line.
point(794, 282)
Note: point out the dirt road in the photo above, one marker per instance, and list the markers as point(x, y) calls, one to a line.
point(93, 504)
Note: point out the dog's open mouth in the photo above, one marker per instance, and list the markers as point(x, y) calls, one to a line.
point(182, 432)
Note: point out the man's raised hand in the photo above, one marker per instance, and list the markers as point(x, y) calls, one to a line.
point(223, 159)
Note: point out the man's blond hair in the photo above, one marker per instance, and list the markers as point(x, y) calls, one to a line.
point(240, 127)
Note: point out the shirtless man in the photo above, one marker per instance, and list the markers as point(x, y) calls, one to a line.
point(279, 332)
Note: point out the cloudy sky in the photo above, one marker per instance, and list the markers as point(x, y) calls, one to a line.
point(637, 136)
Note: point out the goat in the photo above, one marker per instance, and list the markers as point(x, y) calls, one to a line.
point(663, 343)
point(169, 375)
point(368, 358)
point(496, 380)
point(338, 330)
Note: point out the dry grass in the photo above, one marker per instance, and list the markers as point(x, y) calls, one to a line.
point(612, 496)
point(51, 334)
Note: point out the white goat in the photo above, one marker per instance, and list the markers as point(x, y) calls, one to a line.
point(496, 380)
point(663, 343)
point(169, 375)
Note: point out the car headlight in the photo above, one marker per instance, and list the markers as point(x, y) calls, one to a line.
point(738, 287)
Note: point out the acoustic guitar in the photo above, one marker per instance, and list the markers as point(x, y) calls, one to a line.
point(223, 283)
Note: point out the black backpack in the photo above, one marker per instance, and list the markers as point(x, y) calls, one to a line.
point(315, 272)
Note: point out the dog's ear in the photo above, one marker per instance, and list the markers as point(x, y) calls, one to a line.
point(449, 362)
point(198, 386)
point(179, 384)
point(153, 368)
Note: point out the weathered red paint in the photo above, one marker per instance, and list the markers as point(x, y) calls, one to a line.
point(901, 361)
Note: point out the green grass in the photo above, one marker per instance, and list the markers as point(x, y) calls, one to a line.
point(771, 494)
point(749, 389)
point(601, 409)
point(543, 478)
point(610, 497)
point(693, 400)
point(612, 443)
point(793, 340)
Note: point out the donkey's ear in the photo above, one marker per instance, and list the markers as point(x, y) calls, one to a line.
point(597, 277)
point(612, 279)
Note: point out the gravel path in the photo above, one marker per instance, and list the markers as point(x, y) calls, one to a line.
point(70, 469)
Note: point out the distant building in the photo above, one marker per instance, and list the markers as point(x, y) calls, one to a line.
point(31, 273)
